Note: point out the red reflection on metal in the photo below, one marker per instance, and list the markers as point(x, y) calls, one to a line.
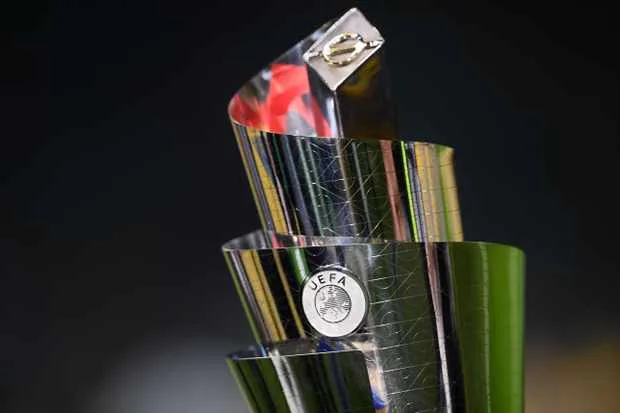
point(287, 88)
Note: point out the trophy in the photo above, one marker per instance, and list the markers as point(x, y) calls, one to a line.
point(359, 288)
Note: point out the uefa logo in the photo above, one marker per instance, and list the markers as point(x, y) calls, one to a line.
point(334, 302)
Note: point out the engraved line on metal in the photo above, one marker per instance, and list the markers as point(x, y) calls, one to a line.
point(430, 363)
point(410, 390)
point(399, 322)
point(397, 299)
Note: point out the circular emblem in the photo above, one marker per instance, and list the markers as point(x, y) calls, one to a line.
point(343, 48)
point(334, 302)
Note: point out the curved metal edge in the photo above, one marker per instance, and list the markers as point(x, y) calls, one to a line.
point(345, 187)
point(295, 377)
point(448, 339)
point(301, 93)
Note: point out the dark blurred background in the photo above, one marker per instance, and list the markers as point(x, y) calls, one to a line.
point(120, 180)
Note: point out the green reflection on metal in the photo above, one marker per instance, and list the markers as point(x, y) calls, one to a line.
point(488, 285)
point(334, 382)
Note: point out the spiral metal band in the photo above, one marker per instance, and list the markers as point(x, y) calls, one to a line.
point(399, 339)
point(427, 320)
point(344, 187)
point(307, 179)
point(294, 377)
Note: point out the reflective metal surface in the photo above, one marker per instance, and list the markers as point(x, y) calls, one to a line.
point(359, 262)
point(295, 377)
point(480, 369)
point(348, 77)
point(343, 187)
point(308, 180)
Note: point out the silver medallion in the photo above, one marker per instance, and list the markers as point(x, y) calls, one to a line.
point(334, 302)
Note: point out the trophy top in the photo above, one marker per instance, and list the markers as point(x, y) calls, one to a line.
point(343, 48)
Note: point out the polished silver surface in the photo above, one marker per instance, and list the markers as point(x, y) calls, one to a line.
point(308, 179)
point(412, 365)
point(348, 77)
point(359, 252)
point(346, 187)
point(303, 377)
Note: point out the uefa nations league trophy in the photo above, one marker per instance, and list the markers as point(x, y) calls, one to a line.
point(359, 288)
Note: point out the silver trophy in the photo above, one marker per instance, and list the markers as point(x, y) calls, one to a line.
point(361, 293)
